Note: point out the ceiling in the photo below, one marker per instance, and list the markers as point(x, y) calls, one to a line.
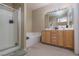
point(34, 6)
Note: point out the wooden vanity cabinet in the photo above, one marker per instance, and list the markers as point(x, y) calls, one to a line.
point(69, 39)
point(62, 38)
point(46, 36)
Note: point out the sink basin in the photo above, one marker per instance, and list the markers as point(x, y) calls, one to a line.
point(68, 28)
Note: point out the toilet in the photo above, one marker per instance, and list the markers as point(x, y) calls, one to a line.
point(32, 38)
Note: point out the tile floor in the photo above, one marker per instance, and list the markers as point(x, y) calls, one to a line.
point(47, 50)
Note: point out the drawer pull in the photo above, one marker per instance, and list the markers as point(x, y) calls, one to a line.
point(53, 37)
point(53, 34)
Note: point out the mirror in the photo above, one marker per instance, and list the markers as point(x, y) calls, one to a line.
point(61, 17)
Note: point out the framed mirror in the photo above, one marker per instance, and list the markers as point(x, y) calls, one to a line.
point(61, 17)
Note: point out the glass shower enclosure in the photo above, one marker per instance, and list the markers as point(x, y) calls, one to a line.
point(8, 27)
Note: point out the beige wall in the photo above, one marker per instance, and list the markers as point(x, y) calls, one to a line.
point(29, 19)
point(38, 15)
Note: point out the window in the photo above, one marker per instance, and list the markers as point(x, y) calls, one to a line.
point(64, 19)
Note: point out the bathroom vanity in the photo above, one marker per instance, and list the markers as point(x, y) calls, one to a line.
point(59, 30)
point(62, 38)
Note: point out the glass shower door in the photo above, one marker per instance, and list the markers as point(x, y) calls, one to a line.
point(7, 39)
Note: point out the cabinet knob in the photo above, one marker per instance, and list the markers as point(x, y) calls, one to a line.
point(53, 34)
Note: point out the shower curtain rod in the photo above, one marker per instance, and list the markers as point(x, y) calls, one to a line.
point(7, 6)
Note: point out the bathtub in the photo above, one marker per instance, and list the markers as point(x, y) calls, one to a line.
point(32, 38)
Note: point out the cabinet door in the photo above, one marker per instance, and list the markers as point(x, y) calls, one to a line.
point(69, 38)
point(54, 37)
point(61, 38)
point(46, 36)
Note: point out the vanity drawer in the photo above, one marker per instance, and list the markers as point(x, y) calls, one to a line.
point(54, 31)
point(54, 34)
point(54, 41)
point(53, 37)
